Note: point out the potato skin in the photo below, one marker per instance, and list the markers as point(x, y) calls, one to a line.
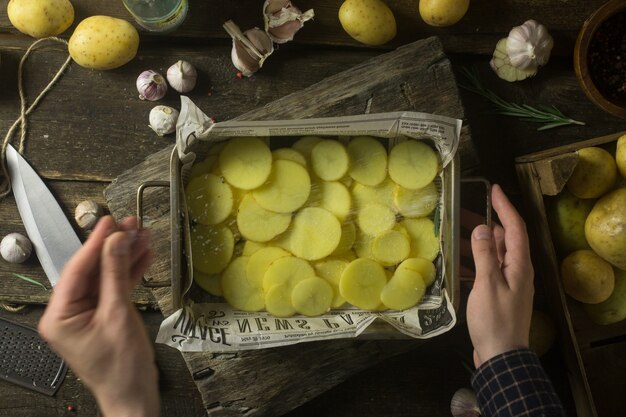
point(41, 18)
point(620, 156)
point(594, 174)
point(605, 228)
point(443, 12)
point(103, 43)
point(368, 21)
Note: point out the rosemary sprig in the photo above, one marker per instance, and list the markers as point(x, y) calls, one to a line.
point(32, 281)
point(550, 116)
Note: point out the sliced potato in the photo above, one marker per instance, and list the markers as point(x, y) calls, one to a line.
point(422, 266)
point(329, 160)
point(404, 290)
point(288, 154)
point(246, 163)
point(416, 203)
point(383, 193)
point(261, 261)
point(413, 164)
point(315, 233)
point(391, 247)
point(361, 283)
point(287, 271)
point(424, 243)
point(258, 224)
point(209, 199)
point(211, 283)
point(278, 301)
point(286, 189)
point(306, 144)
point(238, 290)
point(211, 247)
point(332, 196)
point(312, 297)
point(348, 237)
point(203, 167)
point(251, 247)
point(331, 269)
point(374, 219)
point(368, 160)
point(363, 246)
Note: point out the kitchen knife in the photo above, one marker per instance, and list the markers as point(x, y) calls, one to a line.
point(49, 230)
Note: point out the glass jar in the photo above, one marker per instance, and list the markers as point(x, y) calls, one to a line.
point(158, 15)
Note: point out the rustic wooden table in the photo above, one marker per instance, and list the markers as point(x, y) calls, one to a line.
point(91, 127)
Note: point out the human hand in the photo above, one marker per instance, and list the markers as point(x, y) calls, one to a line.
point(91, 322)
point(500, 304)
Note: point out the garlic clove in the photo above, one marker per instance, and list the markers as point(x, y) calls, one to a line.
point(87, 214)
point(163, 120)
point(464, 404)
point(182, 76)
point(15, 248)
point(283, 19)
point(250, 48)
point(501, 64)
point(151, 85)
point(529, 45)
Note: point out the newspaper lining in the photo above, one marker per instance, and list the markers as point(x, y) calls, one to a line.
point(217, 327)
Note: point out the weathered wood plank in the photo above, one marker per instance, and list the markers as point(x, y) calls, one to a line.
point(477, 32)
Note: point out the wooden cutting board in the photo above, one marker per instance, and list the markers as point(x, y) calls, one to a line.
point(415, 77)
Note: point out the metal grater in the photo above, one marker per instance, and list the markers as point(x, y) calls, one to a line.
point(26, 360)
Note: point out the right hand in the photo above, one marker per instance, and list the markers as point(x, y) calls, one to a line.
point(499, 307)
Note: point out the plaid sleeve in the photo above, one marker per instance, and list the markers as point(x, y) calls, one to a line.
point(515, 384)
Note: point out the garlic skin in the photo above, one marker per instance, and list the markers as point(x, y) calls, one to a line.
point(464, 404)
point(182, 76)
point(87, 214)
point(15, 248)
point(529, 45)
point(151, 86)
point(501, 64)
point(283, 19)
point(250, 48)
point(163, 120)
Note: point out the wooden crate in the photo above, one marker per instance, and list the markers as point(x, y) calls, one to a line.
point(595, 355)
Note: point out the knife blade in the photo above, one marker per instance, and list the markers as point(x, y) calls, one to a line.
point(47, 227)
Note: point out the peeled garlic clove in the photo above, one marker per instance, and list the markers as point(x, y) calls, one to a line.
point(464, 404)
point(15, 248)
point(182, 76)
point(529, 45)
point(163, 120)
point(283, 19)
point(151, 85)
point(87, 214)
point(501, 64)
point(250, 48)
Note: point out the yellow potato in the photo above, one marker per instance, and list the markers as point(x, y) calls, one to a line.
point(251, 247)
point(40, 18)
point(594, 174)
point(332, 196)
point(363, 246)
point(287, 188)
point(368, 160)
point(103, 43)
point(288, 154)
point(416, 203)
point(442, 12)
point(258, 224)
point(587, 277)
point(374, 219)
point(211, 248)
point(413, 164)
point(566, 218)
point(348, 237)
point(620, 155)
point(205, 166)
point(424, 243)
point(361, 283)
point(329, 160)
point(382, 193)
point(260, 262)
point(404, 290)
point(210, 200)
point(331, 270)
point(239, 292)
point(368, 21)
point(306, 144)
point(312, 297)
point(211, 283)
point(422, 266)
point(278, 301)
point(287, 271)
point(314, 234)
point(605, 228)
point(390, 247)
point(613, 309)
point(246, 163)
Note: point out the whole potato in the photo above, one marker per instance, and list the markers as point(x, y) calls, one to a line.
point(587, 277)
point(605, 228)
point(40, 18)
point(613, 309)
point(103, 43)
point(620, 156)
point(566, 216)
point(368, 21)
point(594, 174)
point(443, 12)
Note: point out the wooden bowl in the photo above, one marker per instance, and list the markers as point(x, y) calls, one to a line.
point(581, 50)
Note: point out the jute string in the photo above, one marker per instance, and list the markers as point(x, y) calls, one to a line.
point(5, 184)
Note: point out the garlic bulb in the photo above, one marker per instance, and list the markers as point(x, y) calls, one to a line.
point(464, 404)
point(501, 64)
point(250, 48)
point(151, 85)
point(182, 76)
point(163, 120)
point(87, 214)
point(529, 45)
point(283, 19)
point(15, 248)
